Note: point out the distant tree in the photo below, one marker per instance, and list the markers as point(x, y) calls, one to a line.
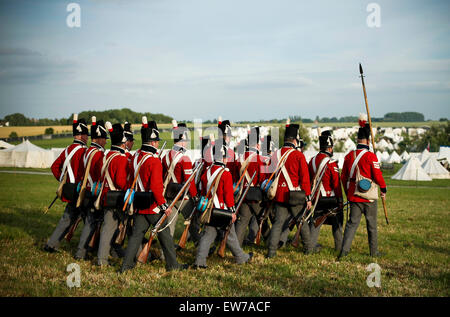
point(13, 134)
point(17, 119)
point(49, 131)
point(404, 117)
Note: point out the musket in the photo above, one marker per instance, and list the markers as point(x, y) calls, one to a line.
point(51, 204)
point(184, 235)
point(330, 212)
point(146, 249)
point(315, 194)
point(95, 236)
point(383, 199)
point(261, 222)
point(162, 148)
point(72, 229)
point(221, 251)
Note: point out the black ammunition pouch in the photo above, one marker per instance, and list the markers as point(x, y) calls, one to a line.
point(254, 194)
point(143, 200)
point(69, 192)
point(297, 198)
point(88, 201)
point(172, 190)
point(220, 218)
point(114, 199)
point(326, 203)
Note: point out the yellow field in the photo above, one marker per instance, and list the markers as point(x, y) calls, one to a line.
point(30, 131)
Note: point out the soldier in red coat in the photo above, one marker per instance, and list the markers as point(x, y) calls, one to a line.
point(250, 163)
point(366, 162)
point(177, 168)
point(225, 134)
point(94, 154)
point(293, 178)
point(331, 187)
point(130, 140)
point(223, 199)
point(150, 181)
point(115, 179)
point(68, 168)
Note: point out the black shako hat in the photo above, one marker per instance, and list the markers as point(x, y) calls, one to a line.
point(364, 130)
point(292, 131)
point(149, 131)
point(325, 140)
point(128, 132)
point(116, 133)
point(98, 130)
point(253, 136)
point(79, 126)
point(179, 132)
point(266, 145)
point(224, 126)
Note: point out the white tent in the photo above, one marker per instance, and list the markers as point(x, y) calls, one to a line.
point(424, 156)
point(349, 145)
point(435, 169)
point(384, 157)
point(26, 154)
point(394, 158)
point(412, 171)
point(405, 156)
point(5, 145)
point(382, 145)
point(379, 156)
point(444, 153)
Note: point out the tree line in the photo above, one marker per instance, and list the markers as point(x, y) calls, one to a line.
point(113, 115)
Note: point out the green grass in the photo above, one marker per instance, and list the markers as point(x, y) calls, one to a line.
point(417, 244)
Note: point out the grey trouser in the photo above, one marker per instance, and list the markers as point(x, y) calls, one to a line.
point(92, 218)
point(208, 237)
point(109, 227)
point(370, 211)
point(141, 225)
point(69, 217)
point(247, 210)
point(336, 227)
point(280, 226)
point(186, 211)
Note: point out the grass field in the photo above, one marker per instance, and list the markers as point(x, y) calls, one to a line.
point(417, 246)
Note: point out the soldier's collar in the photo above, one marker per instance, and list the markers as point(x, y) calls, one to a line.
point(362, 147)
point(327, 153)
point(117, 148)
point(179, 148)
point(149, 149)
point(75, 141)
point(289, 144)
point(98, 146)
point(252, 149)
point(219, 164)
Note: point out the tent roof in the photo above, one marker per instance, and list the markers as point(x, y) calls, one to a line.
point(5, 145)
point(26, 146)
point(413, 171)
point(434, 168)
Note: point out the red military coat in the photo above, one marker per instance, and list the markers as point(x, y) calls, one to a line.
point(76, 162)
point(256, 165)
point(331, 181)
point(369, 167)
point(96, 163)
point(183, 168)
point(151, 177)
point(297, 170)
point(224, 194)
point(118, 170)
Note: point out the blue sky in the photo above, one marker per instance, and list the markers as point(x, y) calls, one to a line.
point(243, 60)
